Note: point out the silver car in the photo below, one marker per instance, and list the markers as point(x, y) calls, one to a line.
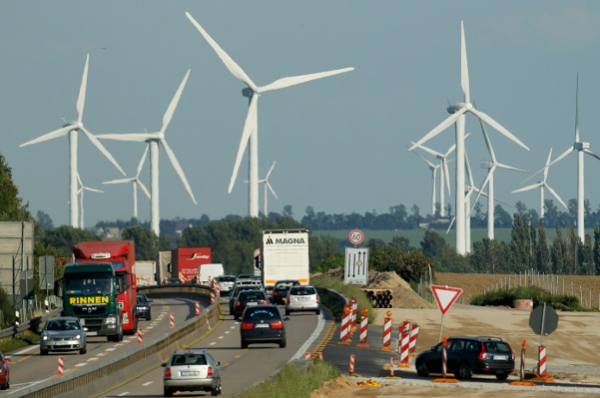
point(302, 298)
point(192, 370)
point(62, 334)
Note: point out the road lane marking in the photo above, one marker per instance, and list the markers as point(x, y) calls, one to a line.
point(123, 394)
point(310, 340)
point(146, 384)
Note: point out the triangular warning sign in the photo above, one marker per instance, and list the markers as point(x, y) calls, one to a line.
point(445, 296)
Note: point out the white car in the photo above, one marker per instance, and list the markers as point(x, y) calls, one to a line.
point(302, 298)
point(191, 370)
point(225, 284)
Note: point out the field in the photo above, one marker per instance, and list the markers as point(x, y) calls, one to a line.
point(586, 288)
point(415, 236)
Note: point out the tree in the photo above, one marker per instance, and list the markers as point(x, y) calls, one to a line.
point(597, 250)
point(571, 253)
point(44, 220)
point(588, 257)
point(287, 211)
point(521, 208)
point(432, 244)
point(558, 258)
point(64, 238)
point(543, 253)
point(501, 218)
point(146, 242)
point(519, 243)
point(11, 206)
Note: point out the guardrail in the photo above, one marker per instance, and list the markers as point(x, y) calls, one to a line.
point(119, 369)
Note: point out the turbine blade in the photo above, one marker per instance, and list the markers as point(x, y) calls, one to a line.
point(142, 160)
point(102, 149)
point(143, 188)
point(82, 89)
point(497, 126)
point(271, 189)
point(562, 155)
point(294, 80)
point(173, 105)
point(488, 143)
point(507, 167)
point(48, 136)
point(249, 126)
point(439, 128)
point(426, 161)
point(120, 181)
point(426, 149)
point(591, 153)
point(464, 67)
point(528, 188)
point(450, 225)
point(446, 174)
point(270, 170)
point(577, 110)
point(556, 196)
point(135, 137)
point(229, 63)
point(93, 190)
point(178, 168)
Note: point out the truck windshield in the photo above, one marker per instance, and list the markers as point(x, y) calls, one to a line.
point(121, 283)
point(88, 283)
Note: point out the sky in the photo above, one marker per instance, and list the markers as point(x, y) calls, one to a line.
point(340, 143)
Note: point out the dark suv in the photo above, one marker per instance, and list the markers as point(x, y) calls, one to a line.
point(469, 355)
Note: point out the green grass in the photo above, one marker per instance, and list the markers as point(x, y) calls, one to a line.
point(293, 382)
point(23, 340)
point(505, 297)
point(415, 236)
point(336, 306)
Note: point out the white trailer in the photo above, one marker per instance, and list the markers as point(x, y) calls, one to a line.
point(284, 255)
point(145, 273)
point(209, 270)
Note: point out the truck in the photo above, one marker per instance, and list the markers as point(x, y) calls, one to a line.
point(121, 254)
point(209, 271)
point(145, 273)
point(284, 255)
point(89, 292)
point(186, 260)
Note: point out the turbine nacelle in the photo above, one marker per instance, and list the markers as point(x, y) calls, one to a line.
point(247, 92)
point(486, 165)
point(580, 146)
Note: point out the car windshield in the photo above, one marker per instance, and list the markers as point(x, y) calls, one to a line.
point(188, 359)
point(284, 285)
point(252, 295)
point(226, 279)
point(302, 291)
point(62, 324)
point(141, 298)
point(261, 314)
point(499, 347)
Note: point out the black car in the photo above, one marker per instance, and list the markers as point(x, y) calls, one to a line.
point(234, 293)
point(144, 308)
point(280, 290)
point(263, 324)
point(467, 355)
point(248, 298)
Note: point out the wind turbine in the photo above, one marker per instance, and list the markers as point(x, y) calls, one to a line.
point(153, 140)
point(443, 158)
point(457, 118)
point(489, 180)
point(135, 181)
point(433, 168)
point(581, 148)
point(82, 189)
point(543, 184)
point(71, 129)
point(250, 130)
point(266, 183)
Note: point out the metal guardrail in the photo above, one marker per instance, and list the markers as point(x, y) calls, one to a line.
point(30, 325)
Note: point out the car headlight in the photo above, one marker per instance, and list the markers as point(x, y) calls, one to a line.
point(45, 338)
point(77, 337)
point(111, 319)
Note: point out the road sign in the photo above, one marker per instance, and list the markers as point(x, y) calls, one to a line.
point(543, 320)
point(356, 270)
point(356, 236)
point(445, 296)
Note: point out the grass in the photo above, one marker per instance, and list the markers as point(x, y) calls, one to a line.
point(505, 297)
point(337, 307)
point(292, 381)
point(25, 339)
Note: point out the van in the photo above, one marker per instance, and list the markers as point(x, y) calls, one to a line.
point(206, 271)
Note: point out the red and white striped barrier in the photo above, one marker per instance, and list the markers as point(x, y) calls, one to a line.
point(307, 356)
point(351, 363)
point(61, 366)
point(387, 332)
point(345, 327)
point(400, 331)
point(212, 298)
point(542, 361)
point(414, 335)
point(354, 311)
point(172, 320)
point(197, 308)
point(320, 356)
point(210, 281)
point(404, 345)
point(392, 366)
point(139, 335)
point(364, 325)
point(444, 358)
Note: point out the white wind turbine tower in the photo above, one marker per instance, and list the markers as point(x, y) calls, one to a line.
point(581, 148)
point(433, 168)
point(457, 117)
point(250, 131)
point(71, 129)
point(443, 157)
point(489, 181)
point(265, 181)
point(543, 184)
point(135, 181)
point(82, 189)
point(153, 140)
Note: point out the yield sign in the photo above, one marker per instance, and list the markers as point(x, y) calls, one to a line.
point(445, 296)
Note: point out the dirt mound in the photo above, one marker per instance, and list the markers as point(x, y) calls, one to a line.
point(334, 387)
point(385, 280)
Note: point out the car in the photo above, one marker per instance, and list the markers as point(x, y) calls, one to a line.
point(62, 333)
point(263, 324)
point(144, 308)
point(4, 372)
point(225, 284)
point(191, 370)
point(281, 288)
point(236, 290)
point(248, 298)
point(173, 281)
point(302, 298)
point(244, 276)
point(468, 355)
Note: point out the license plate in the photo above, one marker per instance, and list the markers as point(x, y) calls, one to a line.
point(91, 333)
point(62, 343)
point(501, 357)
point(262, 325)
point(189, 373)
point(250, 303)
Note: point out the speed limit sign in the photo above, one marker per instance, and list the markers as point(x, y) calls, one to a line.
point(356, 236)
